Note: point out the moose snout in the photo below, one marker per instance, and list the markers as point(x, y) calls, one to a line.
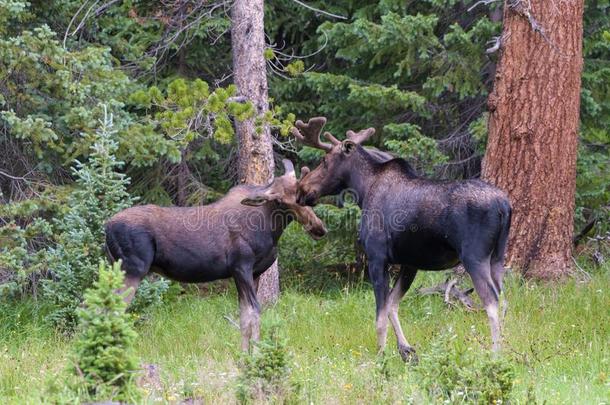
point(307, 198)
point(317, 231)
point(300, 197)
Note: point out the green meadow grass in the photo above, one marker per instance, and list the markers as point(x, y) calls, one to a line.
point(558, 338)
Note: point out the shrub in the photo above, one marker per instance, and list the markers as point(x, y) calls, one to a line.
point(265, 374)
point(453, 373)
point(150, 294)
point(103, 348)
point(21, 263)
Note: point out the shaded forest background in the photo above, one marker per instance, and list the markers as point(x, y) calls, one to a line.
point(419, 72)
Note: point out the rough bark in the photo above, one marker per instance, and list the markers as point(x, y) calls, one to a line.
point(255, 157)
point(533, 131)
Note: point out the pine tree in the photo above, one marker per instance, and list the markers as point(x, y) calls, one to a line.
point(104, 346)
point(100, 192)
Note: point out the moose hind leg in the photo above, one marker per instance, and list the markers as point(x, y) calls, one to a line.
point(480, 273)
point(497, 274)
point(131, 285)
point(403, 282)
point(135, 269)
point(136, 252)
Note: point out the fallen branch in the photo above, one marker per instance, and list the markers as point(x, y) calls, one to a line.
point(448, 287)
point(587, 275)
point(451, 293)
point(5, 174)
point(577, 239)
point(231, 321)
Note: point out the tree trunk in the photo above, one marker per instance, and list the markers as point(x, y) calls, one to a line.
point(255, 159)
point(533, 131)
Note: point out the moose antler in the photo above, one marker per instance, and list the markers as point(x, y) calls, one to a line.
point(360, 136)
point(309, 134)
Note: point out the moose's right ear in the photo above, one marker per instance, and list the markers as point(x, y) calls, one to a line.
point(304, 172)
point(348, 147)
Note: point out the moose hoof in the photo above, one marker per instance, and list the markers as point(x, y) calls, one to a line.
point(408, 354)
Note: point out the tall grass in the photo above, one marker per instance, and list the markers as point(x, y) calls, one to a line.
point(557, 337)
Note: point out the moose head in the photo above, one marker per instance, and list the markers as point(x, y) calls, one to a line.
point(331, 174)
point(283, 192)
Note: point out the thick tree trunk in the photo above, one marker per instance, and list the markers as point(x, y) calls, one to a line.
point(533, 131)
point(255, 160)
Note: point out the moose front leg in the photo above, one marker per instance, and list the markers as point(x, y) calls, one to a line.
point(249, 309)
point(378, 274)
point(248, 324)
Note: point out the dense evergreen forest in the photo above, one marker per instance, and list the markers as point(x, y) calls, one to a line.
point(109, 104)
point(417, 71)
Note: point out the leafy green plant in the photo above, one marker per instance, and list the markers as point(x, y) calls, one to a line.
point(456, 373)
point(150, 294)
point(265, 373)
point(103, 349)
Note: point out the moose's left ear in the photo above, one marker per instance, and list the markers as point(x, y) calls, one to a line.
point(348, 147)
point(254, 202)
point(256, 199)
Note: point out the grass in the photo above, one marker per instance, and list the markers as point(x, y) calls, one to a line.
point(558, 338)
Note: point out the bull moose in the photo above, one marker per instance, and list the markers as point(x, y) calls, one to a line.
point(233, 237)
point(411, 221)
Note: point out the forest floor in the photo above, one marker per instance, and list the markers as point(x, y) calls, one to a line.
point(557, 337)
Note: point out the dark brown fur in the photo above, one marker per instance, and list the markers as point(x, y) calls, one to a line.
point(233, 237)
point(418, 223)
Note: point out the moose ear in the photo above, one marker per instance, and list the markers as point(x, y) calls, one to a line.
point(348, 147)
point(304, 172)
point(254, 202)
point(258, 198)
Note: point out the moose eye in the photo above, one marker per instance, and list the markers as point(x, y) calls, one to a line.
point(324, 163)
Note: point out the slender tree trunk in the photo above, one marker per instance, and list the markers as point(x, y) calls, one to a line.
point(255, 160)
point(533, 131)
